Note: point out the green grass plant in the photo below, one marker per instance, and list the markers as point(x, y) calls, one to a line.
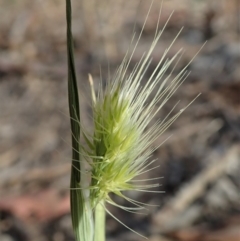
point(121, 145)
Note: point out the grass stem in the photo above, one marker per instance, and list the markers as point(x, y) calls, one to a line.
point(100, 215)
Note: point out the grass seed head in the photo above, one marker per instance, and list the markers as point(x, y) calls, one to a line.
point(122, 140)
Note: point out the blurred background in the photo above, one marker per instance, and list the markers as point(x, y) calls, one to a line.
point(200, 163)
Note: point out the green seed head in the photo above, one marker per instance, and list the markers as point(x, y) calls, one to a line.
point(121, 144)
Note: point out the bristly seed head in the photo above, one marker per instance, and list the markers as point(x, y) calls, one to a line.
point(121, 144)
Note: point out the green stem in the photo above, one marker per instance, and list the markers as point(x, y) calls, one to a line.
point(100, 215)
